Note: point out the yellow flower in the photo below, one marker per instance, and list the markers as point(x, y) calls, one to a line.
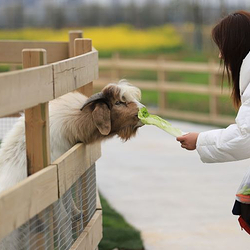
point(114, 38)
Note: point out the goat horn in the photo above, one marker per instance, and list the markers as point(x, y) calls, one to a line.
point(95, 97)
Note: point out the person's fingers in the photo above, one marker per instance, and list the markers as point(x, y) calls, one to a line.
point(185, 147)
point(180, 138)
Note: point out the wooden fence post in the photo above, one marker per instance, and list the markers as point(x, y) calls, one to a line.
point(37, 139)
point(162, 99)
point(36, 121)
point(82, 46)
point(213, 99)
point(115, 74)
point(72, 36)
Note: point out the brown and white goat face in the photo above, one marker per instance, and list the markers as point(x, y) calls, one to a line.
point(115, 110)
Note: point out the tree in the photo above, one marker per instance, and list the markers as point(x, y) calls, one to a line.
point(55, 17)
point(197, 26)
point(14, 16)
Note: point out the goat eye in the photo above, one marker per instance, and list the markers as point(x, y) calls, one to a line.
point(118, 103)
point(121, 103)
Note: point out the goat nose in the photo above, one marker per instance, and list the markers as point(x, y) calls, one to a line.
point(139, 105)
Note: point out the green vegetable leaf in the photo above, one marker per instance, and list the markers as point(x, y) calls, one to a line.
point(149, 119)
point(245, 190)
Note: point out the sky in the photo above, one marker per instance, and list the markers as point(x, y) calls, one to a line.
point(139, 2)
point(208, 2)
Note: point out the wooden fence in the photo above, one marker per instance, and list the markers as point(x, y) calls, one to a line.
point(72, 65)
point(163, 86)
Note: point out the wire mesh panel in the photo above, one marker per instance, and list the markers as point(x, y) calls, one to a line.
point(58, 226)
point(6, 123)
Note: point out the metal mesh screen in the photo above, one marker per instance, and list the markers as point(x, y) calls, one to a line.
point(59, 225)
point(6, 124)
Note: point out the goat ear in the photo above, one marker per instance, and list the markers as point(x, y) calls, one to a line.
point(101, 118)
point(93, 98)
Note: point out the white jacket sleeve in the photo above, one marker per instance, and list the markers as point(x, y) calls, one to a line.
point(229, 144)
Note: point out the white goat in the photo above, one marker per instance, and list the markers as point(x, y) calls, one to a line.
point(73, 118)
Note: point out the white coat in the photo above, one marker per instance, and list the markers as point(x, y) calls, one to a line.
point(233, 142)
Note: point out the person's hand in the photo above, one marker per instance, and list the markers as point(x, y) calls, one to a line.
point(188, 141)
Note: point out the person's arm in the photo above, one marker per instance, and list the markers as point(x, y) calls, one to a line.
point(223, 145)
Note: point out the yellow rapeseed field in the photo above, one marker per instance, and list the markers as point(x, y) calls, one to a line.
point(124, 37)
point(109, 39)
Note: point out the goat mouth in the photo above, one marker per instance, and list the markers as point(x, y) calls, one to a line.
point(139, 124)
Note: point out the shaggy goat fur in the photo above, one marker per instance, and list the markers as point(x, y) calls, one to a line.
point(73, 118)
point(69, 124)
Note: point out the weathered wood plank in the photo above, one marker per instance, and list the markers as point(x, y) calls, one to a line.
point(74, 34)
point(82, 46)
point(136, 64)
point(98, 201)
point(74, 163)
point(25, 88)
point(75, 72)
point(92, 234)
point(37, 137)
point(37, 131)
point(11, 51)
point(26, 199)
point(36, 121)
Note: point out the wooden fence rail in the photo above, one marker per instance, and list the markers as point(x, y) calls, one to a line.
point(10, 51)
point(31, 89)
point(27, 88)
point(163, 86)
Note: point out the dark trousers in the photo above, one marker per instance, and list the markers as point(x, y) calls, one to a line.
point(243, 210)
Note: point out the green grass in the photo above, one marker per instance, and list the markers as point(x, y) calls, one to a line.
point(141, 53)
point(188, 77)
point(139, 75)
point(117, 233)
point(4, 68)
point(179, 101)
point(189, 102)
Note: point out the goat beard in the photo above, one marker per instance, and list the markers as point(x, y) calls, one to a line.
point(127, 132)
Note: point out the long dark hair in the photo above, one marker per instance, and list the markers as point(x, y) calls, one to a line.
point(232, 36)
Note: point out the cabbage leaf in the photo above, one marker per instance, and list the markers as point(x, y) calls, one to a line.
point(149, 119)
